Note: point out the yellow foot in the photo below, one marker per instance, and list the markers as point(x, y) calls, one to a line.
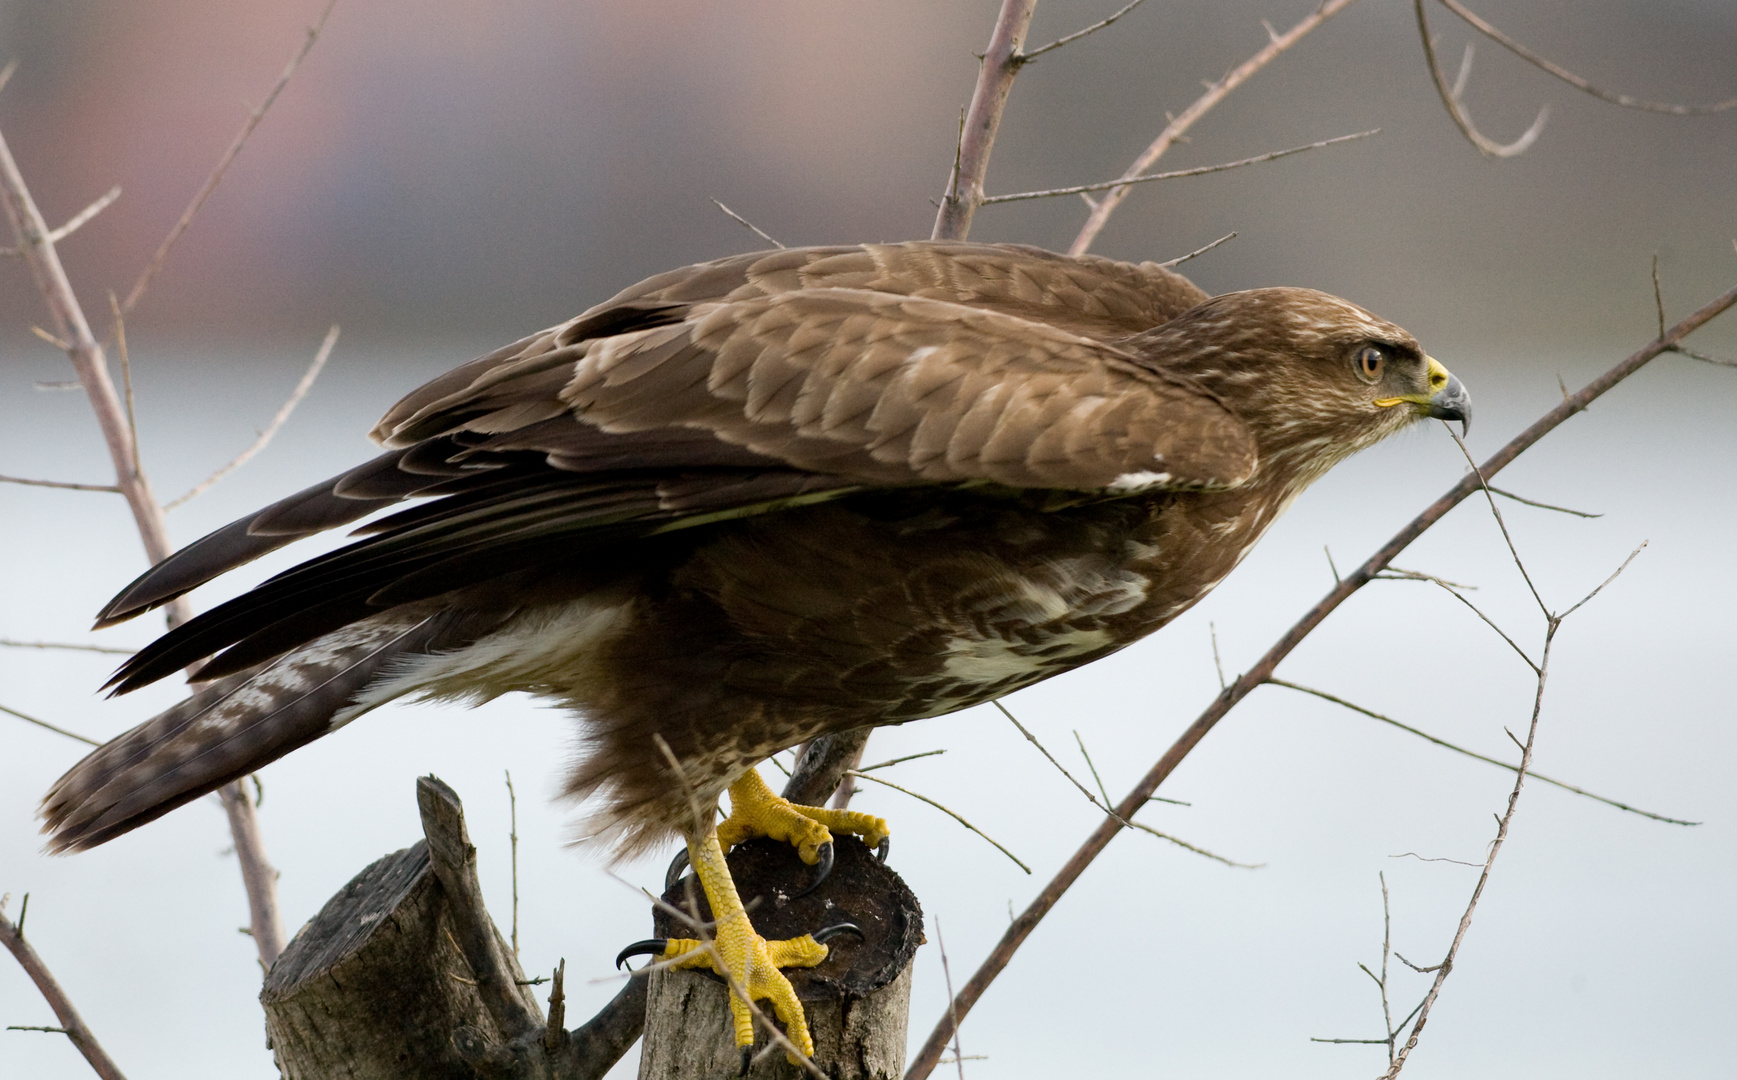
point(756, 811)
point(746, 960)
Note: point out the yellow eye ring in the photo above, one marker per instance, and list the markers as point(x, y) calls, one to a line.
point(1369, 363)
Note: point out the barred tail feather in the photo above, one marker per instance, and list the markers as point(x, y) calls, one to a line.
point(228, 729)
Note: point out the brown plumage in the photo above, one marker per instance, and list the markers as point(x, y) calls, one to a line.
point(749, 502)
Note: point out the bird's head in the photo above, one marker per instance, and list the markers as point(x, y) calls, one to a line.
point(1316, 378)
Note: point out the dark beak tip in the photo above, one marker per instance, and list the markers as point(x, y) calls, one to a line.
point(1453, 403)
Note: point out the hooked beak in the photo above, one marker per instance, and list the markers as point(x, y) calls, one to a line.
point(1447, 399)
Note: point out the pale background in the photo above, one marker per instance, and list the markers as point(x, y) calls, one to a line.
point(443, 176)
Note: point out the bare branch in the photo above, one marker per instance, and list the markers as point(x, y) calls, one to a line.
point(947, 974)
point(73, 224)
point(924, 798)
point(1373, 715)
point(1119, 184)
point(1001, 62)
point(1394, 573)
point(92, 369)
point(1703, 357)
point(749, 225)
point(1450, 98)
point(1443, 969)
point(1179, 260)
point(71, 1024)
point(1543, 505)
point(126, 383)
point(1178, 841)
point(1022, 926)
point(1576, 81)
point(901, 760)
point(1491, 623)
point(1658, 295)
point(223, 163)
point(1030, 55)
point(65, 485)
point(271, 429)
point(12, 644)
point(513, 839)
point(27, 718)
point(1606, 581)
point(1179, 125)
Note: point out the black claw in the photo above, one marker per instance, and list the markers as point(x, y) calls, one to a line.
point(824, 868)
point(826, 934)
point(677, 867)
point(747, 1060)
point(883, 847)
point(649, 947)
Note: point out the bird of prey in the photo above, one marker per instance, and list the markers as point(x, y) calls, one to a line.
point(754, 501)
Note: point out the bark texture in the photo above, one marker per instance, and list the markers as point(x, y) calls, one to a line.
point(403, 976)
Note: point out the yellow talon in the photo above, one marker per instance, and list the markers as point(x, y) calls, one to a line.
point(748, 960)
point(755, 810)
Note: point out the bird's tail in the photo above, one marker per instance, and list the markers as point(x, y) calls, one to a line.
point(231, 727)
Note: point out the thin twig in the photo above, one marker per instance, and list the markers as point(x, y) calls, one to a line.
point(27, 718)
point(1015, 935)
point(1032, 54)
point(1217, 663)
point(1496, 513)
point(513, 838)
point(12, 644)
point(1443, 969)
point(947, 974)
point(1658, 295)
point(1118, 184)
point(126, 382)
point(71, 1024)
point(1543, 505)
point(73, 223)
point(924, 798)
point(1394, 573)
point(1001, 62)
point(1491, 623)
point(1456, 109)
point(1180, 259)
point(1178, 841)
point(1576, 81)
point(1373, 715)
point(749, 225)
point(64, 485)
point(271, 429)
point(1703, 357)
point(1606, 581)
point(223, 163)
point(1099, 215)
point(889, 761)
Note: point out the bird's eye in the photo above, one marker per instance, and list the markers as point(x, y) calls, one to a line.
point(1370, 362)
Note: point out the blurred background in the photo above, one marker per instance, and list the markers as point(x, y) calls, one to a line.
point(442, 176)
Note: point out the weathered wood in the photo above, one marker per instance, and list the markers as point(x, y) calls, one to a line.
point(857, 1000)
point(384, 983)
point(374, 987)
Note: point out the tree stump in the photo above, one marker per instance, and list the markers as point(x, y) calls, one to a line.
point(403, 976)
point(857, 1000)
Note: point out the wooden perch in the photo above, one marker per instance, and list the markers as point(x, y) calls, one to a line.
point(403, 975)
